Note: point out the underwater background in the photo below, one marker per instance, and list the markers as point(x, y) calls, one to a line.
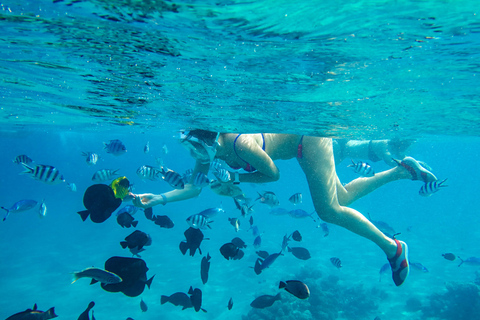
point(77, 74)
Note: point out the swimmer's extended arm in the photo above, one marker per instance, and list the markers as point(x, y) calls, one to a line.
point(148, 200)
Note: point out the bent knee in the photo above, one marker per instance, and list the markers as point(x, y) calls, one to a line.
point(330, 214)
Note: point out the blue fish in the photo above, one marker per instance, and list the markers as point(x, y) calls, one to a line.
point(325, 229)
point(257, 243)
point(260, 264)
point(473, 261)
point(22, 205)
point(299, 214)
point(115, 147)
point(418, 266)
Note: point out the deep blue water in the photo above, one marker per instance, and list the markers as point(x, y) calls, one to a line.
point(77, 74)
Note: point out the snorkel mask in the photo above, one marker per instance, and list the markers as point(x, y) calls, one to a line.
point(198, 148)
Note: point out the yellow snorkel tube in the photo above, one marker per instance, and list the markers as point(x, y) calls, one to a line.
point(120, 187)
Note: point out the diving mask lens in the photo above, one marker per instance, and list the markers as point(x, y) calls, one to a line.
point(199, 149)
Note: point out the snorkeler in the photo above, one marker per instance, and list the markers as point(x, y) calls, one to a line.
point(255, 154)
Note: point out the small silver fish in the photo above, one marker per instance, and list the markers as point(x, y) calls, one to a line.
point(146, 148)
point(362, 168)
point(19, 206)
point(430, 188)
point(72, 187)
point(42, 211)
point(104, 175)
point(201, 180)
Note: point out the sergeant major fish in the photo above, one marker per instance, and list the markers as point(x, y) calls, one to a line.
point(104, 175)
point(362, 168)
point(296, 198)
point(199, 221)
point(115, 147)
point(22, 159)
point(46, 174)
point(91, 158)
point(149, 173)
point(430, 188)
point(174, 179)
point(269, 198)
point(97, 275)
point(146, 148)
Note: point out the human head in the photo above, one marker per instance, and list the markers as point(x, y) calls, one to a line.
point(201, 143)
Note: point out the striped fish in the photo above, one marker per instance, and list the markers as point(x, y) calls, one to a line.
point(296, 198)
point(72, 187)
point(201, 180)
point(198, 221)
point(336, 262)
point(91, 158)
point(430, 188)
point(46, 174)
point(174, 179)
point(362, 168)
point(115, 147)
point(104, 174)
point(22, 159)
point(149, 173)
point(222, 175)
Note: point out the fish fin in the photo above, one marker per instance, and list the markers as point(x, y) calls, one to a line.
point(282, 285)
point(123, 244)
point(183, 247)
point(35, 305)
point(199, 250)
point(164, 299)
point(460, 262)
point(84, 214)
point(28, 169)
point(190, 291)
point(278, 296)
point(203, 310)
point(93, 281)
point(149, 282)
point(134, 223)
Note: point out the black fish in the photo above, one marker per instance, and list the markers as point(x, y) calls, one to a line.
point(251, 221)
point(163, 222)
point(229, 250)
point(133, 272)
point(149, 214)
point(126, 220)
point(336, 262)
point(296, 236)
point(137, 239)
point(265, 301)
point(194, 239)
point(196, 298)
point(300, 253)
point(260, 264)
point(100, 202)
point(143, 306)
point(449, 256)
point(34, 314)
point(177, 299)
point(295, 287)
point(230, 304)
point(239, 243)
point(262, 254)
point(204, 267)
point(84, 315)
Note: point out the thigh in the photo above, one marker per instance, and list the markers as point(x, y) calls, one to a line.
point(318, 164)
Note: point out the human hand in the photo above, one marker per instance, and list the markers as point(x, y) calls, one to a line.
point(146, 200)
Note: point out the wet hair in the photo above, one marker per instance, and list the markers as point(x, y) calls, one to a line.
point(206, 136)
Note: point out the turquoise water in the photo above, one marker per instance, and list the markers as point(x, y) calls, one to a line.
point(76, 74)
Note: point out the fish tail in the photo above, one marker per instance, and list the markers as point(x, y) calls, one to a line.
point(6, 215)
point(51, 313)
point(123, 244)
point(134, 223)
point(461, 262)
point(163, 299)
point(183, 247)
point(28, 169)
point(75, 277)
point(149, 282)
point(282, 285)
